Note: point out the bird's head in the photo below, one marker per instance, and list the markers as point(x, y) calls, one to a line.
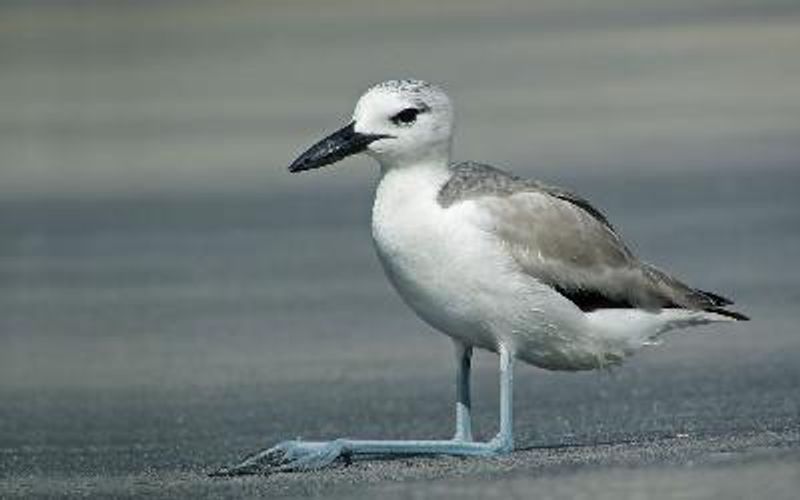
point(398, 122)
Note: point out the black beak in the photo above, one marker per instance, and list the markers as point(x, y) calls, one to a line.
point(338, 145)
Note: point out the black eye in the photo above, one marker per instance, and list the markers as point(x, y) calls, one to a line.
point(405, 117)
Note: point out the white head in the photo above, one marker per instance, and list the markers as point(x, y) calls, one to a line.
point(398, 122)
point(416, 115)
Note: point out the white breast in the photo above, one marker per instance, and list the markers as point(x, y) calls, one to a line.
point(415, 243)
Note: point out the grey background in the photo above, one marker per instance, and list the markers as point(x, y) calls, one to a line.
point(171, 298)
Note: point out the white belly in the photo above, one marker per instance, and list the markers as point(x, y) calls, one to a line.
point(460, 280)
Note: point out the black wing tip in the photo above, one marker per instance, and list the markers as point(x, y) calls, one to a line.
point(716, 299)
point(730, 314)
point(718, 304)
point(589, 300)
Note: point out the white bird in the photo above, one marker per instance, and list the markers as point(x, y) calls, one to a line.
point(517, 267)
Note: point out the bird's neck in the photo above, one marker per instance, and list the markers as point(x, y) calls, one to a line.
point(433, 158)
point(402, 184)
point(429, 173)
point(419, 164)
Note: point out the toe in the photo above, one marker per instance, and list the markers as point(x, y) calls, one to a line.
point(313, 457)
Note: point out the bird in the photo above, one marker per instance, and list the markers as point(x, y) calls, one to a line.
point(527, 270)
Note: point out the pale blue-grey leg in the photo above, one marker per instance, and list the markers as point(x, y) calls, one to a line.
point(504, 441)
point(463, 397)
point(308, 455)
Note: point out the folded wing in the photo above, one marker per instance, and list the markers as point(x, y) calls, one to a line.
point(560, 239)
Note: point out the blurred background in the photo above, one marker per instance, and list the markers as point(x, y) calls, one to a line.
point(171, 297)
point(136, 98)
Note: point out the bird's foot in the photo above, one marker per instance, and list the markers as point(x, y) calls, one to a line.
point(287, 456)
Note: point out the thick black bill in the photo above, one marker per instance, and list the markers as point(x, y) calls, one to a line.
point(338, 145)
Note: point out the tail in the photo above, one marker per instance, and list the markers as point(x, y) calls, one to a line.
point(630, 329)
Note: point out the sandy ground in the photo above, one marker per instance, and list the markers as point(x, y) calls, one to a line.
point(649, 430)
point(762, 465)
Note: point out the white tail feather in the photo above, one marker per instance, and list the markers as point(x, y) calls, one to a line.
point(637, 328)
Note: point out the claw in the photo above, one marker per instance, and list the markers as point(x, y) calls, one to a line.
point(287, 456)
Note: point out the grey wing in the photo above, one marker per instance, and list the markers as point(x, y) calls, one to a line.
point(561, 240)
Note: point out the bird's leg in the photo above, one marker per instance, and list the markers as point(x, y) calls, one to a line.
point(504, 441)
point(463, 398)
point(308, 455)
